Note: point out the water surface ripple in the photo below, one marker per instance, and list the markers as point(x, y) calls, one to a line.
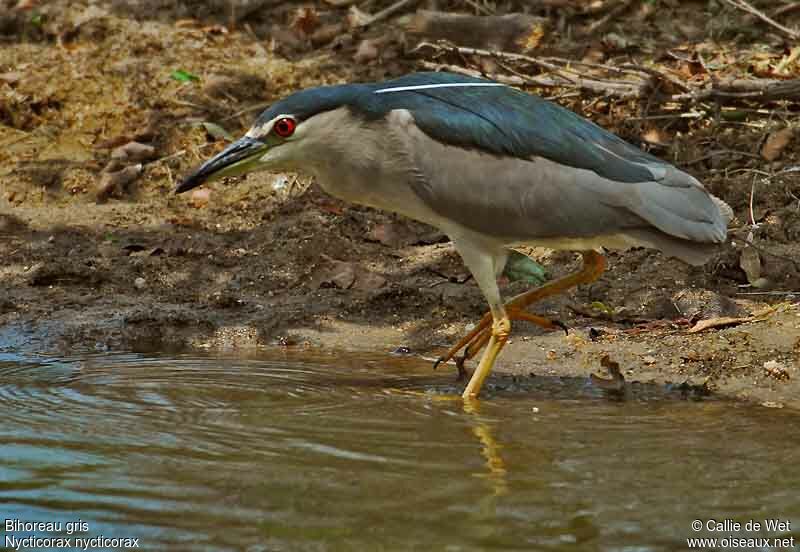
point(329, 452)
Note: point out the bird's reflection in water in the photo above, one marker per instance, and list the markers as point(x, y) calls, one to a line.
point(495, 473)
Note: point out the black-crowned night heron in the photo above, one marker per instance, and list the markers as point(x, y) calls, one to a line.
point(492, 167)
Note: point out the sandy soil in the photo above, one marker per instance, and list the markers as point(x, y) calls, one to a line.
point(94, 261)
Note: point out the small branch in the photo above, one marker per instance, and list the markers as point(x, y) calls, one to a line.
point(653, 72)
point(745, 6)
point(246, 110)
point(602, 22)
point(620, 89)
point(717, 153)
point(558, 74)
point(478, 7)
point(504, 79)
point(764, 90)
point(244, 11)
point(788, 8)
point(787, 293)
point(383, 14)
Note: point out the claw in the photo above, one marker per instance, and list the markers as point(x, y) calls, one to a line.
point(463, 373)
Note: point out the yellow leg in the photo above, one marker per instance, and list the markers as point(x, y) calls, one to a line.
point(501, 328)
point(467, 340)
point(479, 336)
point(514, 313)
point(593, 267)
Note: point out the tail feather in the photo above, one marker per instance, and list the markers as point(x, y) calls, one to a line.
point(724, 209)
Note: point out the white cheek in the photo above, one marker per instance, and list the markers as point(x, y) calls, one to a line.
point(258, 132)
point(281, 156)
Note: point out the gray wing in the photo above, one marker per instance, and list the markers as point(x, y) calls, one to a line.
point(506, 121)
point(524, 200)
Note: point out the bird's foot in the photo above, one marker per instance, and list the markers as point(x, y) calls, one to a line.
point(479, 336)
point(498, 337)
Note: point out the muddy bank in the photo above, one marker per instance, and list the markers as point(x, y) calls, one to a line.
point(308, 278)
point(93, 259)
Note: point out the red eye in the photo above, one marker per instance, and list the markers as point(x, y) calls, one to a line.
point(284, 127)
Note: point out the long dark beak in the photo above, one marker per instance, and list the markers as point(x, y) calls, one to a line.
point(236, 159)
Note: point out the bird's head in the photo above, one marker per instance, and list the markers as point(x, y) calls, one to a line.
point(278, 138)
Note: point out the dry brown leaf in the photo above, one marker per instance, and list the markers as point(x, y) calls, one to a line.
point(114, 142)
point(788, 65)
point(24, 5)
point(326, 33)
point(367, 51)
point(750, 262)
point(721, 322)
point(12, 77)
point(393, 234)
point(331, 208)
point(114, 184)
point(215, 29)
point(356, 18)
point(776, 143)
point(369, 281)
point(337, 274)
point(595, 53)
point(134, 151)
point(656, 136)
point(199, 198)
point(617, 380)
point(187, 23)
point(532, 40)
point(305, 20)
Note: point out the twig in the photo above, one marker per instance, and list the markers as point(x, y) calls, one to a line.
point(602, 22)
point(621, 89)
point(479, 8)
point(789, 293)
point(745, 6)
point(248, 8)
point(383, 14)
point(257, 107)
point(636, 70)
point(716, 153)
point(783, 10)
point(744, 89)
point(178, 153)
point(761, 90)
point(685, 115)
point(652, 71)
point(503, 79)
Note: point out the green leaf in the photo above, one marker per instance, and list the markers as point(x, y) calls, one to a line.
point(520, 267)
point(183, 76)
point(602, 307)
point(37, 19)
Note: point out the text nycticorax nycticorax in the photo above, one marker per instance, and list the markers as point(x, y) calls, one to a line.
point(492, 167)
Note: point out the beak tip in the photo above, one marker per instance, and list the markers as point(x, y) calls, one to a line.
point(186, 184)
point(220, 164)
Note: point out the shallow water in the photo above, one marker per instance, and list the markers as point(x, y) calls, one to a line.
point(324, 452)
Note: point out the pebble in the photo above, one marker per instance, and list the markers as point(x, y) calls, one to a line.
point(140, 283)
